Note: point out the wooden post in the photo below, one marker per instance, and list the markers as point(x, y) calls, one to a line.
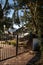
point(17, 46)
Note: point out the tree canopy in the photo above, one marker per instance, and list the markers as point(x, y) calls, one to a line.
point(34, 16)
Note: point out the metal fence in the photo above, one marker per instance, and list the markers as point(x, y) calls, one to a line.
point(8, 50)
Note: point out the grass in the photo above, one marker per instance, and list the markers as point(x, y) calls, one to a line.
point(13, 42)
point(10, 42)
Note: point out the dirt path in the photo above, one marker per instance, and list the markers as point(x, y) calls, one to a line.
point(21, 59)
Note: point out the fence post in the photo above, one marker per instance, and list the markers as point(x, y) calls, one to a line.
point(17, 46)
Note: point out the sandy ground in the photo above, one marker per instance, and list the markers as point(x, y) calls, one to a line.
point(21, 59)
point(9, 51)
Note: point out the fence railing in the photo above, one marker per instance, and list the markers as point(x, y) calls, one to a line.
point(8, 51)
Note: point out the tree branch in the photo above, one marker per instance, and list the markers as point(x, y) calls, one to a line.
point(5, 4)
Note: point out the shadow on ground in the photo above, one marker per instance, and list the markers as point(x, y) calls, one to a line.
point(35, 59)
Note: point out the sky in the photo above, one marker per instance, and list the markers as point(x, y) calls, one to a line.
point(12, 11)
point(11, 1)
point(20, 12)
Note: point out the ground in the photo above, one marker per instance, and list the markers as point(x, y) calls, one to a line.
point(8, 55)
point(21, 59)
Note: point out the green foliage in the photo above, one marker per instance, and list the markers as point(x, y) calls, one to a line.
point(7, 22)
point(34, 16)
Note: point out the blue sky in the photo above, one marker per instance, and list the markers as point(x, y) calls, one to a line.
point(20, 12)
point(11, 1)
point(12, 11)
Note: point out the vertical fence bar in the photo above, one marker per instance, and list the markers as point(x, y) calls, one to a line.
point(17, 46)
point(1, 54)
